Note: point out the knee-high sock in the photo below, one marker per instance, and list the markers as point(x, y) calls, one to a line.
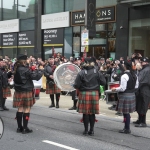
point(92, 121)
point(57, 97)
point(127, 121)
point(52, 98)
point(19, 119)
point(143, 119)
point(74, 103)
point(25, 120)
point(86, 121)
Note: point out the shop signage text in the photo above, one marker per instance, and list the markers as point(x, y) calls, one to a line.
point(9, 26)
point(107, 14)
point(9, 39)
point(53, 36)
point(56, 20)
point(26, 38)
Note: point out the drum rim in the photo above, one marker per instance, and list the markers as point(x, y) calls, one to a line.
point(56, 78)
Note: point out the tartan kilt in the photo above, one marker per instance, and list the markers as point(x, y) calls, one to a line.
point(52, 90)
point(6, 92)
point(23, 99)
point(127, 103)
point(88, 102)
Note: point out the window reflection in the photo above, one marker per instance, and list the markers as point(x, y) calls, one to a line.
point(9, 9)
point(68, 42)
point(103, 3)
point(0, 9)
point(71, 5)
point(10, 52)
point(76, 41)
point(48, 51)
point(26, 8)
point(53, 6)
point(112, 37)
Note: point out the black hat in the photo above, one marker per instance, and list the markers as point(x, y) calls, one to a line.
point(88, 60)
point(51, 56)
point(77, 58)
point(145, 59)
point(22, 57)
point(93, 59)
point(128, 64)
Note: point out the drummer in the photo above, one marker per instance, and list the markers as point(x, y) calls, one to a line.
point(51, 87)
point(23, 98)
point(127, 102)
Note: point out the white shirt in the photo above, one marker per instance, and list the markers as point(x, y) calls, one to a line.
point(123, 83)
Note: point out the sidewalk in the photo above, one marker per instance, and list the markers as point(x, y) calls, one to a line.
point(66, 102)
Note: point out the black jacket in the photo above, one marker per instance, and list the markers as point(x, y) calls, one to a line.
point(89, 79)
point(48, 70)
point(143, 93)
point(23, 78)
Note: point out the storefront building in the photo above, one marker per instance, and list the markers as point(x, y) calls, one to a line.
point(36, 27)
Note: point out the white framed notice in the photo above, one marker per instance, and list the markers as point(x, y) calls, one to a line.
point(57, 20)
point(85, 37)
point(9, 26)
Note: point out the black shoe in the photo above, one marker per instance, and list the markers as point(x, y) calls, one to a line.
point(91, 133)
point(73, 108)
point(85, 133)
point(126, 131)
point(136, 122)
point(57, 106)
point(112, 108)
point(25, 131)
point(52, 105)
point(1, 109)
point(19, 130)
point(141, 125)
point(5, 108)
point(119, 114)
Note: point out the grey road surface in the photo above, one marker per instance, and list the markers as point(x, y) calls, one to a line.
point(60, 129)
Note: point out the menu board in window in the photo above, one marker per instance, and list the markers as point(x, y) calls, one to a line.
point(9, 40)
point(53, 37)
point(26, 39)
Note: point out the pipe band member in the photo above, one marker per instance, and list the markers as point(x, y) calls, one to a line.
point(126, 95)
point(51, 87)
point(23, 98)
point(1, 85)
point(7, 76)
point(143, 93)
point(88, 82)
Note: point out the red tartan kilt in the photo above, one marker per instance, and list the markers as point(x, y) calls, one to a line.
point(23, 99)
point(6, 92)
point(52, 90)
point(88, 102)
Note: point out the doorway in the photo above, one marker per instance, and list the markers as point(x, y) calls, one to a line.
point(97, 51)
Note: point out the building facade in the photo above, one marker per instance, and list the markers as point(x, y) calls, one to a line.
point(35, 27)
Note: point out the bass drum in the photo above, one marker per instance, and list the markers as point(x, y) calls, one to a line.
point(65, 75)
point(1, 127)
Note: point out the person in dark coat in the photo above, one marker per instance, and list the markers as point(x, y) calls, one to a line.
point(88, 82)
point(51, 87)
point(7, 76)
point(23, 98)
point(143, 93)
point(126, 95)
point(1, 86)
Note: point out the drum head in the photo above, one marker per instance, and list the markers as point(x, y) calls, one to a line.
point(65, 75)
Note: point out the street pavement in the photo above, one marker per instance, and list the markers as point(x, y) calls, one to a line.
point(60, 129)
